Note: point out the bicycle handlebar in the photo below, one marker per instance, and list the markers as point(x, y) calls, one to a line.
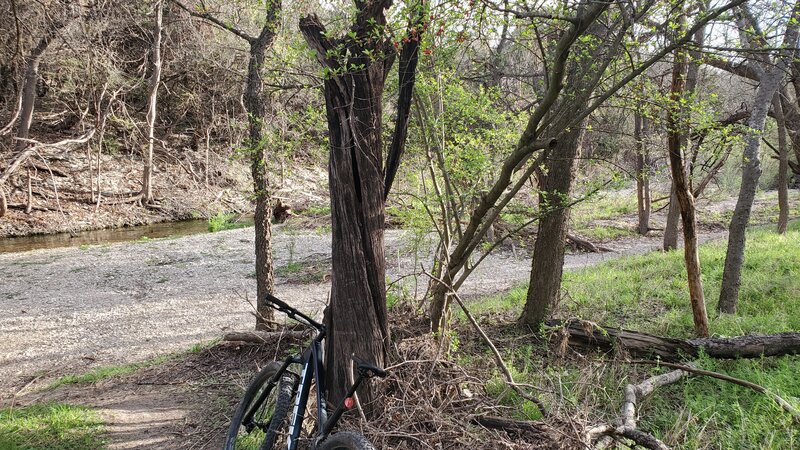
point(278, 304)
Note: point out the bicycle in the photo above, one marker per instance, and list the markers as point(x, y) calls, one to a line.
point(261, 416)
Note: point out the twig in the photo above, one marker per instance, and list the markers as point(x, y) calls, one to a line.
point(748, 384)
point(498, 358)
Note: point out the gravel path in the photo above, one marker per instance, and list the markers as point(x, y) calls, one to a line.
point(71, 309)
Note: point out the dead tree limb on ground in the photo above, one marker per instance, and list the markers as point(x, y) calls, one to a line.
point(586, 335)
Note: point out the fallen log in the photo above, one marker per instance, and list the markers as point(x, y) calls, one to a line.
point(261, 337)
point(586, 335)
point(514, 426)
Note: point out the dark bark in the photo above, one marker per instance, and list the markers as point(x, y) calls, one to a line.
point(548, 251)
point(673, 219)
point(357, 67)
point(643, 203)
point(407, 73)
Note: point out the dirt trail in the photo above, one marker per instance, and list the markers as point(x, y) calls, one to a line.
point(70, 310)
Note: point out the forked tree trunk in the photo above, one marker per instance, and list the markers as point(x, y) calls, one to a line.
point(152, 102)
point(677, 137)
point(356, 315)
point(548, 251)
point(642, 174)
point(771, 76)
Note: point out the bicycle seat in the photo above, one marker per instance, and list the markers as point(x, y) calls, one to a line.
point(368, 370)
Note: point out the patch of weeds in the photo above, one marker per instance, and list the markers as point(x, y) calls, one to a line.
point(103, 373)
point(51, 426)
point(162, 280)
point(225, 221)
point(605, 207)
point(317, 211)
point(604, 232)
point(84, 247)
point(521, 408)
point(290, 268)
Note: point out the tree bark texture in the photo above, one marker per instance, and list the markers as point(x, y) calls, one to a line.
point(254, 102)
point(357, 66)
point(152, 103)
point(673, 219)
point(643, 204)
point(783, 165)
point(548, 250)
point(677, 138)
point(751, 172)
point(771, 74)
point(582, 335)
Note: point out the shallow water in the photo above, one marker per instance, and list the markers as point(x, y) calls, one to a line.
point(107, 236)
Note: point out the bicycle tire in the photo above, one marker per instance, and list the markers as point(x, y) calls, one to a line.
point(271, 415)
point(346, 440)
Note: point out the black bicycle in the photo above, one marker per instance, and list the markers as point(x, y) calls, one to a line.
point(261, 422)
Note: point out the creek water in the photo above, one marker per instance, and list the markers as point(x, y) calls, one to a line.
point(107, 236)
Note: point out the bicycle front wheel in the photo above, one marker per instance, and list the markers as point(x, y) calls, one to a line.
point(345, 440)
point(264, 430)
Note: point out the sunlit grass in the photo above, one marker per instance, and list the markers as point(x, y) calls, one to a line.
point(50, 427)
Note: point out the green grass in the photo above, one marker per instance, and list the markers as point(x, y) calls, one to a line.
point(649, 293)
point(225, 221)
point(604, 233)
point(603, 207)
point(102, 373)
point(50, 427)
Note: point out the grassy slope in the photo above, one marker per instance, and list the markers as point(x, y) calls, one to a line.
point(648, 293)
point(51, 426)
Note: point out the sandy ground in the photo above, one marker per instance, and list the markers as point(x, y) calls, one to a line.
point(70, 309)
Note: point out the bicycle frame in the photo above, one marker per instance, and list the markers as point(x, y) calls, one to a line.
point(312, 361)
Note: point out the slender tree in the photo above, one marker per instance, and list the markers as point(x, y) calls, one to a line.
point(770, 72)
point(152, 102)
point(254, 102)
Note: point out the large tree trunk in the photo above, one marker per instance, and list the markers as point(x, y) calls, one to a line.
point(684, 82)
point(642, 173)
point(356, 316)
point(152, 95)
point(548, 250)
point(751, 172)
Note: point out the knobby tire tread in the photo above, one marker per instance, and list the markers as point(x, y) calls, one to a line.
point(282, 406)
